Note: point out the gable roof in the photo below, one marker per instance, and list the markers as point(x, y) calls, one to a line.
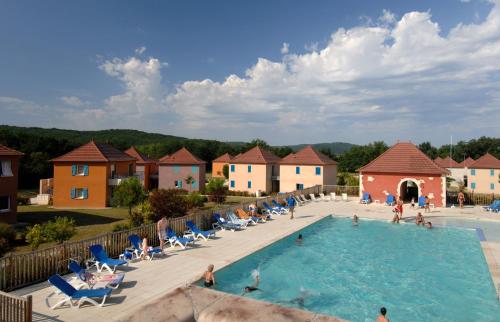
point(256, 155)
point(487, 161)
point(94, 152)
point(446, 162)
point(226, 157)
point(182, 156)
point(138, 156)
point(403, 157)
point(307, 156)
point(8, 151)
point(467, 162)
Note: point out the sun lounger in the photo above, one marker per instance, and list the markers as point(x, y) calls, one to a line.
point(390, 201)
point(304, 198)
point(245, 216)
point(298, 201)
point(223, 224)
point(137, 249)
point(232, 218)
point(493, 207)
point(344, 197)
point(313, 197)
point(270, 210)
point(198, 233)
point(366, 198)
point(83, 278)
point(173, 239)
point(103, 261)
point(322, 197)
point(75, 297)
point(280, 207)
point(333, 196)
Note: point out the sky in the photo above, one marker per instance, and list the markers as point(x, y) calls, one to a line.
point(287, 72)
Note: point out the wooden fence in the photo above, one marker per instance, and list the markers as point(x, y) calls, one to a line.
point(19, 270)
point(15, 308)
point(352, 191)
point(480, 199)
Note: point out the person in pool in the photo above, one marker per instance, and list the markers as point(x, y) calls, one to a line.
point(381, 317)
point(298, 241)
point(419, 220)
point(395, 219)
point(355, 220)
point(209, 276)
point(254, 287)
point(428, 225)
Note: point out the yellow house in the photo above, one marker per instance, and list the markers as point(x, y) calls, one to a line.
point(253, 171)
point(484, 175)
point(219, 163)
point(306, 168)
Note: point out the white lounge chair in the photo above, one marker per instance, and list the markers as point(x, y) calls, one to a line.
point(313, 197)
point(344, 197)
point(333, 196)
point(299, 202)
point(304, 198)
point(322, 197)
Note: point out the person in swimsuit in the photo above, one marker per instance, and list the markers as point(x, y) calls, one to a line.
point(145, 247)
point(298, 241)
point(399, 207)
point(209, 276)
point(419, 220)
point(381, 317)
point(427, 207)
point(428, 225)
point(254, 287)
point(355, 220)
point(395, 219)
point(161, 227)
point(461, 199)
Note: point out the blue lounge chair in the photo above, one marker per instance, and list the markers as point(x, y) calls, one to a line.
point(366, 198)
point(85, 279)
point(173, 239)
point(103, 261)
point(270, 210)
point(198, 233)
point(389, 201)
point(281, 208)
point(222, 224)
point(137, 250)
point(421, 201)
point(75, 297)
point(495, 206)
point(233, 219)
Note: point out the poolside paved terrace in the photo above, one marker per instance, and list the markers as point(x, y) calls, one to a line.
point(145, 281)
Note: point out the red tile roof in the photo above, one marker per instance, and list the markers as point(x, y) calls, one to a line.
point(224, 158)
point(94, 152)
point(138, 156)
point(467, 162)
point(487, 161)
point(307, 156)
point(256, 155)
point(446, 162)
point(183, 156)
point(8, 151)
point(403, 157)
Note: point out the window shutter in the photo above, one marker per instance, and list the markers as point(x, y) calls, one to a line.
point(180, 183)
point(73, 193)
point(85, 193)
point(85, 170)
point(73, 169)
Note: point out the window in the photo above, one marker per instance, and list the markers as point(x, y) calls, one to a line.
point(472, 172)
point(113, 171)
point(249, 168)
point(194, 169)
point(178, 184)
point(299, 186)
point(492, 186)
point(232, 167)
point(473, 185)
point(297, 170)
point(249, 184)
point(492, 173)
point(318, 171)
point(4, 203)
point(6, 168)
point(79, 193)
point(82, 170)
point(130, 169)
point(177, 168)
point(232, 183)
point(194, 184)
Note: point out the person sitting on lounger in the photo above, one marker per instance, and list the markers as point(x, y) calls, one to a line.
point(252, 209)
point(298, 241)
point(355, 220)
point(145, 247)
point(254, 287)
point(209, 276)
point(419, 220)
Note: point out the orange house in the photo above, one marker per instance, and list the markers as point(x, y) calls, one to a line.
point(86, 176)
point(219, 163)
point(146, 169)
point(9, 167)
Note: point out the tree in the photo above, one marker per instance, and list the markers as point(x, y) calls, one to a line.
point(7, 237)
point(225, 171)
point(36, 236)
point(128, 194)
point(216, 190)
point(59, 230)
point(189, 180)
point(428, 149)
point(169, 203)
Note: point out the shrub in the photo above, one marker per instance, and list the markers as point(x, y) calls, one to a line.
point(121, 227)
point(23, 201)
point(60, 230)
point(142, 213)
point(195, 199)
point(36, 236)
point(169, 203)
point(216, 190)
point(225, 171)
point(128, 194)
point(7, 238)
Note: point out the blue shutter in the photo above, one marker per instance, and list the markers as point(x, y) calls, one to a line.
point(473, 185)
point(85, 193)
point(194, 185)
point(85, 170)
point(177, 168)
point(73, 193)
point(194, 169)
point(249, 184)
point(180, 183)
point(297, 170)
point(492, 172)
point(249, 168)
point(232, 167)
point(318, 171)
point(492, 186)
point(73, 170)
point(472, 172)
point(232, 183)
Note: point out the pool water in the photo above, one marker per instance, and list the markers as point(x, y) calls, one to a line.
point(350, 272)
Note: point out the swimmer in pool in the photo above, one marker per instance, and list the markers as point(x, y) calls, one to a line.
point(254, 287)
point(209, 277)
point(428, 225)
point(355, 220)
point(298, 241)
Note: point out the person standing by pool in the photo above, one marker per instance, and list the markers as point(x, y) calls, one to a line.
point(461, 199)
point(161, 227)
point(399, 208)
point(395, 219)
point(291, 205)
point(381, 317)
point(427, 207)
point(209, 276)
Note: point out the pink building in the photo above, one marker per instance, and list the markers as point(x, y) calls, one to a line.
point(404, 171)
point(181, 170)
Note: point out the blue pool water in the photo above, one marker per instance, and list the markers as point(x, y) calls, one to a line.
point(350, 272)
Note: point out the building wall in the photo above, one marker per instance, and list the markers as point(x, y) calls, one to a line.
point(308, 177)
point(261, 177)
point(168, 174)
point(457, 174)
point(483, 180)
point(144, 172)
point(8, 187)
point(379, 185)
point(217, 171)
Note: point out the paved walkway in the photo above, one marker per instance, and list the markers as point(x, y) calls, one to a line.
point(148, 280)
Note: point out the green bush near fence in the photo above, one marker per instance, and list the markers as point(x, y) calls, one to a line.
point(59, 230)
point(7, 238)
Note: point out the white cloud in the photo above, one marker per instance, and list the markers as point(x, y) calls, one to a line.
point(140, 50)
point(72, 100)
point(285, 48)
point(387, 17)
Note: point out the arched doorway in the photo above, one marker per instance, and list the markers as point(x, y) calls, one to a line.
point(408, 190)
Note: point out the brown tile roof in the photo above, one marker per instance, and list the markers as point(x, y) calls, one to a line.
point(94, 152)
point(256, 155)
point(8, 151)
point(138, 156)
point(487, 161)
point(446, 162)
point(183, 156)
point(467, 162)
point(224, 158)
point(403, 157)
point(307, 156)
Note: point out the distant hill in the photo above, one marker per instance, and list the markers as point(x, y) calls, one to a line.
point(334, 147)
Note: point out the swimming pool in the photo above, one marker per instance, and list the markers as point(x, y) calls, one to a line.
point(350, 272)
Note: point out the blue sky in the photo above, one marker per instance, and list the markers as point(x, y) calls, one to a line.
point(303, 72)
